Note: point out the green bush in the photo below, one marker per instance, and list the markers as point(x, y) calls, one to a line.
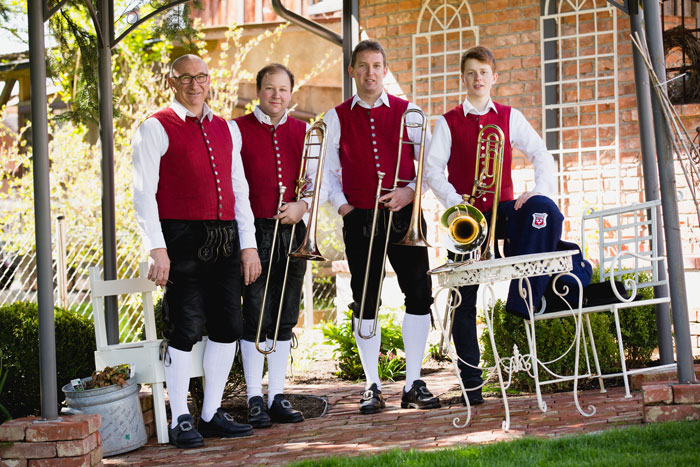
point(391, 365)
point(3, 411)
point(19, 345)
point(637, 325)
point(639, 336)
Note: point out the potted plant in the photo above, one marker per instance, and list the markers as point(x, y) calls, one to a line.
point(109, 393)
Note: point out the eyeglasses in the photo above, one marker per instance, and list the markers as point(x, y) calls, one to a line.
point(187, 79)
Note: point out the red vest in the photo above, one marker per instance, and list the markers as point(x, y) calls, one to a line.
point(195, 172)
point(270, 156)
point(369, 142)
point(461, 166)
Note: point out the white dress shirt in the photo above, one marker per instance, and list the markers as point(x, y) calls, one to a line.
point(522, 137)
point(262, 117)
point(333, 189)
point(149, 144)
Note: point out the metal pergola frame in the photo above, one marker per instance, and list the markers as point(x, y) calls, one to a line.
point(103, 20)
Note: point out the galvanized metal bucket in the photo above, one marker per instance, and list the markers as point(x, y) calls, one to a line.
point(122, 427)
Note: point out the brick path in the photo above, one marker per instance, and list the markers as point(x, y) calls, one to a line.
point(344, 431)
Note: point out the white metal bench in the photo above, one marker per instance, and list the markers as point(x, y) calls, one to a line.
point(626, 246)
point(143, 355)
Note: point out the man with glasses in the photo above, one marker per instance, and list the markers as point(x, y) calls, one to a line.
point(192, 207)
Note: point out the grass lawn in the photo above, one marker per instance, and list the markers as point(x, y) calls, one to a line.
point(672, 444)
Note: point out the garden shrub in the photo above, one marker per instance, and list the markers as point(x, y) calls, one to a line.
point(391, 365)
point(19, 345)
point(639, 335)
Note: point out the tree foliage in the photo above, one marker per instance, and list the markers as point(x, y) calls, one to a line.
point(75, 60)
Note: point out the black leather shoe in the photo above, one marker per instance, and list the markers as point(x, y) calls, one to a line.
point(372, 400)
point(475, 398)
point(281, 411)
point(257, 413)
point(184, 435)
point(418, 397)
point(222, 425)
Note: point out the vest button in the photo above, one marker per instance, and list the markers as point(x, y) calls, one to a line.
point(371, 119)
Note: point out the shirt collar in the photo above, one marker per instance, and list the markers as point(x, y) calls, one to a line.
point(264, 118)
point(383, 100)
point(469, 108)
point(183, 113)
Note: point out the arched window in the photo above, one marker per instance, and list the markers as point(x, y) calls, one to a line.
point(445, 28)
point(580, 99)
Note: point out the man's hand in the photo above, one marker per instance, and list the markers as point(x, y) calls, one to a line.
point(522, 199)
point(159, 266)
point(345, 209)
point(250, 265)
point(397, 199)
point(291, 213)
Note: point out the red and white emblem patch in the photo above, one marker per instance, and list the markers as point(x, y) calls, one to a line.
point(539, 220)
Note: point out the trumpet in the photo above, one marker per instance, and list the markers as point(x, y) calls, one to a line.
point(308, 249)
point(414, 236)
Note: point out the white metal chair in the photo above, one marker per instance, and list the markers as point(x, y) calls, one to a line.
point(143, 355)
point(626, 245)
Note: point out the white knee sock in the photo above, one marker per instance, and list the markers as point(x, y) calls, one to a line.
point(415, 329)
point(369, 351)
point(276, 369)
point(218, 358)
point(253, 363)
point(177, 378)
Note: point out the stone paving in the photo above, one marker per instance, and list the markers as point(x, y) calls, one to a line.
point(343, 431)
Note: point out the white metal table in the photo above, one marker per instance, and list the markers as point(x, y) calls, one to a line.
point(452, 276)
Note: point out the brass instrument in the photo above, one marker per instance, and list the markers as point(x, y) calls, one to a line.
point(466, 226)
point(308, 249)
point(414, 236)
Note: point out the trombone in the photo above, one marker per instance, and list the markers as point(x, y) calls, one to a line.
point(466, 225)
point(308, 249)
point(414, 236)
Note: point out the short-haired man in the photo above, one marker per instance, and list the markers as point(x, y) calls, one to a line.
point(271, 144)
point(363, 139)
point(191, 201)
point(531, 223)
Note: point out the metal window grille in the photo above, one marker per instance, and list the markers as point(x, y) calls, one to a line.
point(580, 99)
point(445, 28)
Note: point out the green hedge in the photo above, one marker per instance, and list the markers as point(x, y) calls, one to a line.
point(639, 336)
point(19, 346)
